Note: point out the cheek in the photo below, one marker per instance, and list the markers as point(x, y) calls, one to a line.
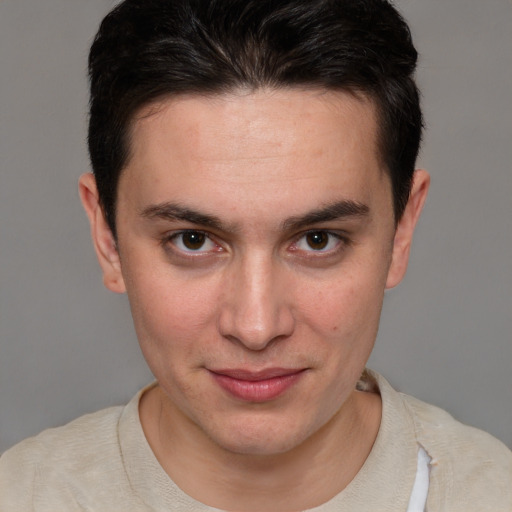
point(346, 312)
point(170, 314)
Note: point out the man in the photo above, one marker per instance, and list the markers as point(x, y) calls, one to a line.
point(255, 193)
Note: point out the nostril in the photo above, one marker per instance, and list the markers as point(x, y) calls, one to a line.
point(256, 332)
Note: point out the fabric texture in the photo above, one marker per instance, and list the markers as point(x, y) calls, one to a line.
point(102, 462)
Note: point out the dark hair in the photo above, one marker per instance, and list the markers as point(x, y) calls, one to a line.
point(147, 49)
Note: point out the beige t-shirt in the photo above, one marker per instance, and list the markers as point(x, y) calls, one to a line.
point(102, 462)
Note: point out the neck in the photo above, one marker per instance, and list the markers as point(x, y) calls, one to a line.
point(305, 477)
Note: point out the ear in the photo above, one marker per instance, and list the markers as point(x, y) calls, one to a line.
point(405, 228)
point(102, 238)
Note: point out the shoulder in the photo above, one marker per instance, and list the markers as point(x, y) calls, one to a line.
point(470, 469)
point(445, 435)
point(76, 437)
point(59, 459)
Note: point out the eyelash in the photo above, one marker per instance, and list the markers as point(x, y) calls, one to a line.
point(171, 238)
point(342, 242)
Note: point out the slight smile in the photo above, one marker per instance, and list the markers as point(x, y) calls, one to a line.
point(258, 386)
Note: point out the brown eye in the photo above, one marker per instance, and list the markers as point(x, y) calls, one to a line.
point(321, 242)
point(193, 240)
point(317, 240)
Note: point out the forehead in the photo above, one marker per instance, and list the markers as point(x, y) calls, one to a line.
point(257, 117)
point(243, 143)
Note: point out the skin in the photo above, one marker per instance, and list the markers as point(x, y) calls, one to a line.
point(257, 288)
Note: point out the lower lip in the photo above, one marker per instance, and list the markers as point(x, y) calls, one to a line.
point(259, 390)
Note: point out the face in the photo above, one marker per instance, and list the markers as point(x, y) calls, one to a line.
point(255, 241)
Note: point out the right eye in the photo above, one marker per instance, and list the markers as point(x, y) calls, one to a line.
point(193, 242)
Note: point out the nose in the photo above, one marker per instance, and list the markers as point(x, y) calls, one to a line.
point(256, 308)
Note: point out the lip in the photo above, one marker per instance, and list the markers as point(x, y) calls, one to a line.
point(257, 386)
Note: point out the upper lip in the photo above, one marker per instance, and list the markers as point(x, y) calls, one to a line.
point(256, 375)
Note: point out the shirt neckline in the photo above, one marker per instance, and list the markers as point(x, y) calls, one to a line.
point(385, 480)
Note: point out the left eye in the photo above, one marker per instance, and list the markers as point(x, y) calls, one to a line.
point(193, 241)
point(318, 241)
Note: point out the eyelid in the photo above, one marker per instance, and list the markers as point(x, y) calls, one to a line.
point(341, 237)
point(170, 237)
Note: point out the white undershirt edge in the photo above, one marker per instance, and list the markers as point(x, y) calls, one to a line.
point(419, 493)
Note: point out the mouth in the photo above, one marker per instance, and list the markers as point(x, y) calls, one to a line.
point(258, 386)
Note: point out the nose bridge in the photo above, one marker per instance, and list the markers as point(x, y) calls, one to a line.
point(256, 311)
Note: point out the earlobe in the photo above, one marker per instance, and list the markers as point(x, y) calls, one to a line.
point(405, 228)
point(102, 237)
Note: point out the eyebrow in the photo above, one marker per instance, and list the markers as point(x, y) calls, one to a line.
point(332, 211)
point(174, 212)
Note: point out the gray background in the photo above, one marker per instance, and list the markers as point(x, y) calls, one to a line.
point(67, 346)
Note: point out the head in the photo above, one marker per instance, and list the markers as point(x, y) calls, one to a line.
point(254, 194)
point(157, 48)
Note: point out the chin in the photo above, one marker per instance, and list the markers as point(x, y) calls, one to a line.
point(260, 437)
point(259, 447)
